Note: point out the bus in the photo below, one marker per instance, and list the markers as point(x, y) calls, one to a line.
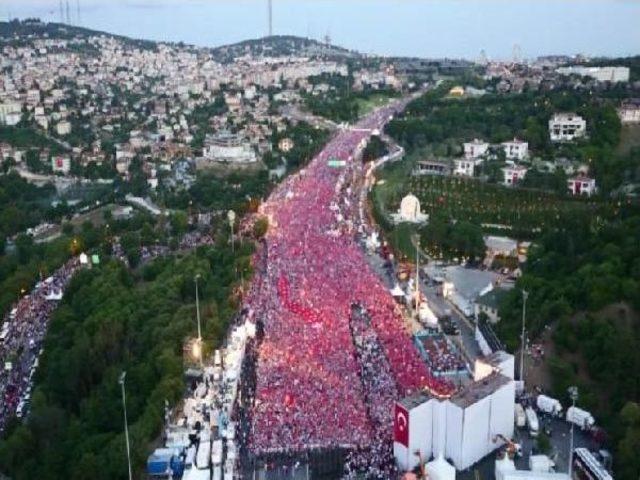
point(587, 467)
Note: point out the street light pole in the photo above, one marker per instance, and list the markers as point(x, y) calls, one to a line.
point(525, 295)
point(198, 307)
point(417, 277)
point(573, 393)
point(126, 426)
point(198, 317)
point(231, 216)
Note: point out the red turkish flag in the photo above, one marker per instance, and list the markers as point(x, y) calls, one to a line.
point(401, 425)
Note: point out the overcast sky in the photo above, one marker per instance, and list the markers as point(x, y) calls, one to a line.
point(430, 28)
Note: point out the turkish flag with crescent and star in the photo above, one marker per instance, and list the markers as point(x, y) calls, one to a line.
point(401, 425)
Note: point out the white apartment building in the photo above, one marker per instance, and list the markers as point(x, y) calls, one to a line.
point(581, 186)
point(565, 127)
point(228, 147)
point(63, 128)
point(513, 174)
point(601, 74)
point(33, 96)
point(476, 148)
point(465, 167)
point(9, 112)
point(43, 121)
point(515, 149)
point(629, 111)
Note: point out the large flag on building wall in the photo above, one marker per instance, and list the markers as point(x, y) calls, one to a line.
point(401, 425)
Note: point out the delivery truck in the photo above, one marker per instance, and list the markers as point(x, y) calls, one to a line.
point(581, 418)
point(532, 422)
point(549, 405)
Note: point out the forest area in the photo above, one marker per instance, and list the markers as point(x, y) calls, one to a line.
point(113, 320)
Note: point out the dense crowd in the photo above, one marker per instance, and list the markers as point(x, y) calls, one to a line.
point(441, 356)
point(309, 391)
point(195, 239)
point(380, 391)
point(25, 326)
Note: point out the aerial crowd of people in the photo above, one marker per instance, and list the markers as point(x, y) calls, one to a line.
point(309, 389)
point(332, 354)
point(441, 356)
point(24, 329)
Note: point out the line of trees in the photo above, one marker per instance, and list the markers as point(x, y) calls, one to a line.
point(593, 267)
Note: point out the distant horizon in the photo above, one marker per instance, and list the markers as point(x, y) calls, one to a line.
point(404, 28)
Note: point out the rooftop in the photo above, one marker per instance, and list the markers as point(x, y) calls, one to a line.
point(469, 282)
point(413, 400)
point(479, 390)
point(491, 298)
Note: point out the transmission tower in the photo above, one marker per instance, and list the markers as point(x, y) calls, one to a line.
point(327, 39)
point(61, 13)
point(68, 14)
point(482, 60)
point(270, 6)
point(78, 12)
point(517, 53)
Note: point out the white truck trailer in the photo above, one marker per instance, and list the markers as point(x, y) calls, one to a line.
point(549, 405)
point(581, 418)
point(532, 421)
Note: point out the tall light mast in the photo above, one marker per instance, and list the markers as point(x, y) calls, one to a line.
point(525, 295)
point(417, 274)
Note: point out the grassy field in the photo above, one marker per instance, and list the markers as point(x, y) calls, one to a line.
point(517, 212)
point(629, 138)
point(366, 105)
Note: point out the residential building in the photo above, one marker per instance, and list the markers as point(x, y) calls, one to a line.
point(513, 174)
point(63, 128)
point(567, 127)
point(629, 111)
point(488, 304)
point(581, 186)
point(601, 74)
point(515, 149)
point(476, 148)
point(432, 167)
point(33, 96)
point(61, 164)
point(8, 111)
point(229, 148)
point(13, 118)
point(465, 167)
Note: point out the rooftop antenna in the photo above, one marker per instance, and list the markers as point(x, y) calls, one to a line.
point(270, 18)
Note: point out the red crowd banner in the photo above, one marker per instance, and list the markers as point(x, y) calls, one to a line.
point(401, 425)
